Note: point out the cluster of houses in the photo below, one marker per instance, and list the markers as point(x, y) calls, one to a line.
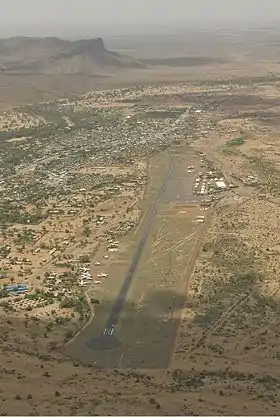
point(251, 180)
point(50, 167)
point(209, 183)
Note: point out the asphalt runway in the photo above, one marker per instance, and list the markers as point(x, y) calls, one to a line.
point(140, 330)
point(113, 319)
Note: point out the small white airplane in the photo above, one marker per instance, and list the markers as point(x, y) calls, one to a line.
point(102, 275)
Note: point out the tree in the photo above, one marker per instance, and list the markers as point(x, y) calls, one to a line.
point(87, 231)
point(84, 259)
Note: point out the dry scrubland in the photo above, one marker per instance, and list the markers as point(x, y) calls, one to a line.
point(228, 346)
point(226, 358)
point(11, 121)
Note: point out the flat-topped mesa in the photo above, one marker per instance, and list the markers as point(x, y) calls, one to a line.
point(54, 55)
point(93, 48)
point(90, 46)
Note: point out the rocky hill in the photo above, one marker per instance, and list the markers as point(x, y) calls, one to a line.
point(58, 56)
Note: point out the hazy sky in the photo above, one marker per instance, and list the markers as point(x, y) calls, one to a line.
point(63, 14)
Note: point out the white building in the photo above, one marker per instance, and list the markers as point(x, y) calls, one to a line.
point(221, 185)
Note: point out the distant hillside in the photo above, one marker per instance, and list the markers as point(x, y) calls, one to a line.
point(58, 56)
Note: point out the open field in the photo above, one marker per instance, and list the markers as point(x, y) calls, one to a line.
point(22, 89)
